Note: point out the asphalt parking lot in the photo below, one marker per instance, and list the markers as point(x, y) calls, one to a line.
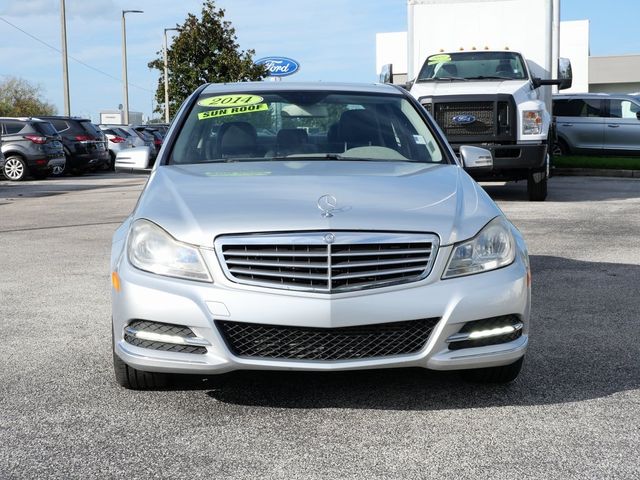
point(574, 413)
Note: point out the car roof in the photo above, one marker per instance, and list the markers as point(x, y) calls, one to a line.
point(26, 119)
point(301, 87)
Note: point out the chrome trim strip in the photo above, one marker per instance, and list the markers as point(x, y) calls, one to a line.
point(461, 337)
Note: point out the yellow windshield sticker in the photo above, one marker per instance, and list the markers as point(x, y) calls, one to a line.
point(230, 100)
point(223, 112)
point(438, 59)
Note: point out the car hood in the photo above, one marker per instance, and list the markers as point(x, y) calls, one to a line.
point(480, 87)
point(196, 203)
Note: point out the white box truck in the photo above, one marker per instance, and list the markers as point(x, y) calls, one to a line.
point(485, 70)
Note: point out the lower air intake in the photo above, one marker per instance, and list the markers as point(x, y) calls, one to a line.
point(345, 343)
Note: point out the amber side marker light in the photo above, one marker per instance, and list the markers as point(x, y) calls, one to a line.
point(115, 281)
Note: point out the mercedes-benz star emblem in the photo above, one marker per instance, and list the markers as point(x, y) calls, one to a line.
point(329, 238)
point(328, 204)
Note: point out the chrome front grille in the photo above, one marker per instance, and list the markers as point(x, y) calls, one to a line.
point(326, 262)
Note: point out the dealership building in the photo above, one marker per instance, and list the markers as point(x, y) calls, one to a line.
point(608, 74)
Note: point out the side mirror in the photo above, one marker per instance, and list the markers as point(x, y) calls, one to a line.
point(565, 73)
point(386, 74)
point(638, 115)
point(565, 76)
point(133, 160)
point(476, 157)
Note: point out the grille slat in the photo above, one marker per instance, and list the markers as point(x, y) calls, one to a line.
point(305, 262)
point(273, 273)
point(309, 343)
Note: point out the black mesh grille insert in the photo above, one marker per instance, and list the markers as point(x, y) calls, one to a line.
point(488, 324)
point(165, 329)
point(344, 343)
point(482, 111)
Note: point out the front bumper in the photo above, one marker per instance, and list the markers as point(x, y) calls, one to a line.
point(196, 305)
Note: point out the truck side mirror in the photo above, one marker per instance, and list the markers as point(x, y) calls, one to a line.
point(476, 157)
point(565, 73)
point(133, 160)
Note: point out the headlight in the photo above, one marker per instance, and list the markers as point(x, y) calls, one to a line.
point(532, 122)
point(151, 249)
point(492, 248)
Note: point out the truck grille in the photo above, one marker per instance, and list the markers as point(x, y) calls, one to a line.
point(327, 262)
point(495, 117)
point(344, 343)
point(482, 111)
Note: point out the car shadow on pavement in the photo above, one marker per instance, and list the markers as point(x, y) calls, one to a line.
point(584, 345)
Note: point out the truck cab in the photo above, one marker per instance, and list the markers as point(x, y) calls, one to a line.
point(490, 98)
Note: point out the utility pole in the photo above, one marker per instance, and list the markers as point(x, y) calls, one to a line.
point(125, 79)
point(65, 61)
point(166, 74)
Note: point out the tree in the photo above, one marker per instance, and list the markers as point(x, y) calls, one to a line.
point(19, 98)
point(205, 50)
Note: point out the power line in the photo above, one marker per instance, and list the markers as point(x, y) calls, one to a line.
point(91, 67)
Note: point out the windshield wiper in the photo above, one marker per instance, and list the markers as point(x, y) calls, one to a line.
point(446, 79)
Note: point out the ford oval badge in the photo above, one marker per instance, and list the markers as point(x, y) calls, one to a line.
point(464, 119)
point(279, 66)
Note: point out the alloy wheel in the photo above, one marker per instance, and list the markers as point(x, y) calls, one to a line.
point(14, 169)
point(58, 170)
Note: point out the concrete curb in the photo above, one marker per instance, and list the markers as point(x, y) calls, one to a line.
point(596, 172)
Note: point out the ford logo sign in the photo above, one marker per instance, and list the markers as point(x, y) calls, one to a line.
point(279, 66)
point(464, 119)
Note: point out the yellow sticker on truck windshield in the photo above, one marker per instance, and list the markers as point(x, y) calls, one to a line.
point(223, 112)
point(230, 100)
point(438, 59)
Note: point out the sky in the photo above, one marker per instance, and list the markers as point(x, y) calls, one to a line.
point(331, 39)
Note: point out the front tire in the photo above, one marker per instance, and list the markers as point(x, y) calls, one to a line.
point(134, 379)
point(503, 374)
point(537, 183)
point(15, 169)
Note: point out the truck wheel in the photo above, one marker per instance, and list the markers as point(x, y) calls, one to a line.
point(537, 183)
point(504, 374)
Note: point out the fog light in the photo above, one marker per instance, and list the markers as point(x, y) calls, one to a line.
point(491, 333)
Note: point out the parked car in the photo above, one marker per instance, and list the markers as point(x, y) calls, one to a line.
point(153, 132)
point(138, 139)
point(598, 124)
point(30, 147)
point(364, 245)
point(84, 145)
point(117, 141)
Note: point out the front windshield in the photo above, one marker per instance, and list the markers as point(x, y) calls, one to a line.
point(473, 66)
point(304, 124)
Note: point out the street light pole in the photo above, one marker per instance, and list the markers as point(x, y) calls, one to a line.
point(65, 62)
point(166, 75)
point(125, 80)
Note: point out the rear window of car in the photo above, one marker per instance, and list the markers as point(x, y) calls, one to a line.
point(59, 125)
point(46, 128)
point(90, 128)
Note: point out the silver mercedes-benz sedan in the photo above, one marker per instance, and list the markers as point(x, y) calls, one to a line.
point(317, 227)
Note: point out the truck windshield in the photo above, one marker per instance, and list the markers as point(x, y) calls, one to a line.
point(309, 125)
point(473, 66)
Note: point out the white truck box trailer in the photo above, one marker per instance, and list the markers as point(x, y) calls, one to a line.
point(485, 70)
